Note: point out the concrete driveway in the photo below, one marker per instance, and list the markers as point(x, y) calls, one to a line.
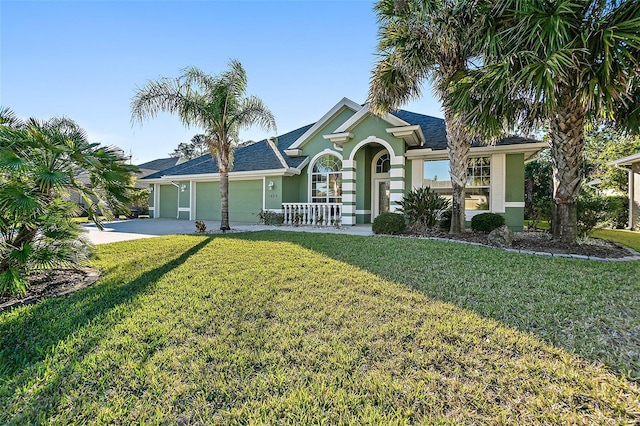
point(124, 230)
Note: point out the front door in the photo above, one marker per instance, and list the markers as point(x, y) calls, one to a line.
point(382, 192)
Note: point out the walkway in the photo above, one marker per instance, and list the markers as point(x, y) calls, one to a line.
point(124, 230)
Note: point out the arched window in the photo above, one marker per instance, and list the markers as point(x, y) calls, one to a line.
point(326, 180)
point(383, 164)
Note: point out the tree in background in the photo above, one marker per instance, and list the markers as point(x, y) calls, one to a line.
point(561, 64)
point(217, 104)
point(603, 145)
point(195, 148)
point(422, 40)
point(40, 162)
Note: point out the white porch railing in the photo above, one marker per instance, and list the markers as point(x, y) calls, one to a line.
point(319, 214)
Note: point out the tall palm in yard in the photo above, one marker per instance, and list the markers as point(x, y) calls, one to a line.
point(420, 40)
point(561, 63)
point(217, 104)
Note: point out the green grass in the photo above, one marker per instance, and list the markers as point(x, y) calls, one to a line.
point(629, 239)
point(293, 328)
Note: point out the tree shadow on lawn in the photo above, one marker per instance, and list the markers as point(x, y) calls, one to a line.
point(586, 307)
point(30, 335)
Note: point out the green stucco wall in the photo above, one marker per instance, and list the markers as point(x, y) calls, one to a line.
point(514, 191)
point(292, 190)
point(273, 197)
point(317, 143)
point(514, 178)
point(168, 201)
point(373, 126)
point(184, 194)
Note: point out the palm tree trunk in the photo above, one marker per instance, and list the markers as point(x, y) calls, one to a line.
point(224, 200)
point(567, 144)
point(458, 149)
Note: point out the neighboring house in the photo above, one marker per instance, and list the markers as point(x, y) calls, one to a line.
point(632, 165)
point(154, 166)
point(346, 168)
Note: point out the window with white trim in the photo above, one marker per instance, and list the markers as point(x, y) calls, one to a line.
point(478, 186)
point(326, 180)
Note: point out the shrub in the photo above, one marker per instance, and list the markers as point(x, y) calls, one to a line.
point(268, 217)
point(617, 211)
point(486, 222)
point(591, 210)
point(39, 165)
point(423, 207)
point(445, 220)
point(389, 223)
point(201, 227)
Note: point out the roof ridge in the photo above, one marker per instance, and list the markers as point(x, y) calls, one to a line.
point(276, 151)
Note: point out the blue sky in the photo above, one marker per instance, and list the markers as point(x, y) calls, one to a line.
point(84, 60)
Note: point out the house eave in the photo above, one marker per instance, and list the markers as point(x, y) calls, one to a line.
point(246, 175)
point(339, 138)
point(626, 161)
point(412, 135)
point(293, 152)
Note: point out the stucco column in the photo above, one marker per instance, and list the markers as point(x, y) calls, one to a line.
point(396, 173)
point(348, 192)
point(156, 201)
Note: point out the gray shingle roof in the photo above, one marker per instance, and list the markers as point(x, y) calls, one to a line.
point(435, 132)
point(159, 164)
point(260, 156)
point(255, 156)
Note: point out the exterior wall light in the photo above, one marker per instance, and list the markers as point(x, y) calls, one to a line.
point(183, 187)
point(271, 184)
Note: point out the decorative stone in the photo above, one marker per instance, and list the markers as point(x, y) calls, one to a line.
point(501, 237)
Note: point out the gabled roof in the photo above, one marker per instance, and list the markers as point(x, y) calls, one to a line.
point(256, 156)
point(335, 110)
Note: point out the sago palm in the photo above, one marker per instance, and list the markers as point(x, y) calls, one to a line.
point(420, 41)
point(40, 162)
point(216, 104)
point(562, 64)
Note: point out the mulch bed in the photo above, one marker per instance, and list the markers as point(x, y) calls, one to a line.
point(540, 241)
point(52, 284)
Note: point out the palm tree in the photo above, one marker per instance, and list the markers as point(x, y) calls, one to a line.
point(40, 162)
point(422, 40)
point(217, 104)
point(562, 64)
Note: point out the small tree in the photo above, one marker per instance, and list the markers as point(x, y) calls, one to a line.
point(39, 165)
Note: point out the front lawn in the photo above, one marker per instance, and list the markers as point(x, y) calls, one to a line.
point(630, 239)
point(293, 328)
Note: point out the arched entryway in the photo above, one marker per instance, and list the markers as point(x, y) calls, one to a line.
point(372, 179)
